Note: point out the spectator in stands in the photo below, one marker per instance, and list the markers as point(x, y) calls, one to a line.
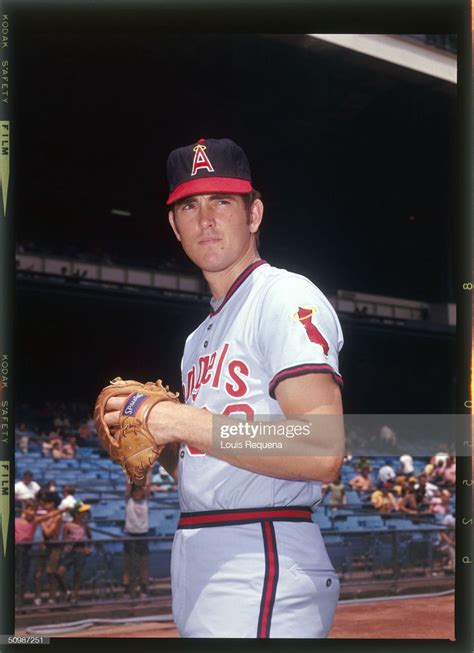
point(25, 527)
point(448, 473)
point(447, 540)
point(424, 491)
point(362, 482)
point(136, 527)
point(406, 467)
point(50, 551)
point(408, 503)
point(68, 502)
point(436, 473)
point(442, 456)
point(51, 489)
point(383, 499)
point(56, 452)
point(439, 503)
point(399, 486)
point(338, 495)
point(69, 449)
point(385, 473)
point(22, 437)
point(78, 533)
point(27, 488)
point(388, 439)
point(363, 463)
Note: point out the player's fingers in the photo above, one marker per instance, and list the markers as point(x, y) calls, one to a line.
point(112, 419)
point(115, 403)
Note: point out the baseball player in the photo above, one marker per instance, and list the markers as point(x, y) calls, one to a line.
point(247, 559)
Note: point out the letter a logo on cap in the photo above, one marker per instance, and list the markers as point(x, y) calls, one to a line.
point(201, 160)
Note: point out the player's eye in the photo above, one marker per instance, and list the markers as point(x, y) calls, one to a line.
point(188, 206)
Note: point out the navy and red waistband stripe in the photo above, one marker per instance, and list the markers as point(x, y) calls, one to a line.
point(301, 370)
point(237, 283)
point(236, 517)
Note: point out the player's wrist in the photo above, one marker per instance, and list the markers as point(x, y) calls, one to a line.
point(162, 421)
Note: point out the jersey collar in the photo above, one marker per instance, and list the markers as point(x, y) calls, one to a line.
point(237, 283)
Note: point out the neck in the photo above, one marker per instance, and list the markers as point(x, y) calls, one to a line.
point(220, 282)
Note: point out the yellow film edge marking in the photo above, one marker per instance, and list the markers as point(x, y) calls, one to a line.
point(4, 161)
point(5, 501)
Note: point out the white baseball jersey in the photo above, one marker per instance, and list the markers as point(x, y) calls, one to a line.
point(271, 325)
point(271, 576)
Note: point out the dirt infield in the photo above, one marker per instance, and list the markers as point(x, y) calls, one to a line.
point(413, 618)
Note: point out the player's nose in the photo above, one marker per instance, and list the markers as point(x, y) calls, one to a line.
point(206, 217)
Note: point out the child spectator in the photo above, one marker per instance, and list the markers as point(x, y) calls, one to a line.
point(50, 551)
point(338, 494)
point(68, 502)
point(75, 554)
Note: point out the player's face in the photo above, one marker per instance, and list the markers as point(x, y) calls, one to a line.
point(216, 231)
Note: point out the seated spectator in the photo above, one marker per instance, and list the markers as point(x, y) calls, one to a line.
point(385, 473)
point(56, 452)
point(436, 474)
point(27, 488)
point(424, 491)
point(383, 499)
point(442, 456)
point(75, 554)
point(338, 495)
point(69, 449)
point(408, 503)
point(448, 473)
point(362, 482)
point(399, 485)
point(429, 467)
point(363, 463)
point(406, 466)
point(439, 503)
point(25, 527)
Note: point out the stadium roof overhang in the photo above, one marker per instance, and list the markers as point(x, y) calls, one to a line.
point(399, 51)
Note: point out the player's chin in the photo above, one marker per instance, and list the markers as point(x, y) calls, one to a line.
point(212, 261)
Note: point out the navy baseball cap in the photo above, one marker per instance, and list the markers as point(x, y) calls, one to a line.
point(208, 166)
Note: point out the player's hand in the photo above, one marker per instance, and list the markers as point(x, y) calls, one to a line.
point(160, 419)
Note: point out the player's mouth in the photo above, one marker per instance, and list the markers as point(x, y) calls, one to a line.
point(209, 240)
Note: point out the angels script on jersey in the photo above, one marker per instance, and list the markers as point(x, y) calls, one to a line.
point(211, 368)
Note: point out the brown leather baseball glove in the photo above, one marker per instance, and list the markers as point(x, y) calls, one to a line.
point(132, 445)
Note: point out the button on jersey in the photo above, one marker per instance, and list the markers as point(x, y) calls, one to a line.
point(271, 325)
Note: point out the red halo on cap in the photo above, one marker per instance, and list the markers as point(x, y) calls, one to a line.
point(209, 185)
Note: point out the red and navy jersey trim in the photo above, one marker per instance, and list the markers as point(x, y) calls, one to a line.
point(237, 283)
point(301, 370)
point(210, 518)
point(270, 582)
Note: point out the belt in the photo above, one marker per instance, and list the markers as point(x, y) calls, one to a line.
point(209, 518)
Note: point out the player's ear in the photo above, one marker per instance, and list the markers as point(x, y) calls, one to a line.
point(173, 225)
point(256, 215)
